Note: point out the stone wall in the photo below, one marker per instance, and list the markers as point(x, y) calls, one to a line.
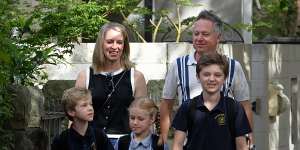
point(283, 66)
point(275, 63)
point(25, 123)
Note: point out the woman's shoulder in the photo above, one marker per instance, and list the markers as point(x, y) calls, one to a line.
point(138, 75)
point(139, 84)
point(83, 77)
point(137, 72)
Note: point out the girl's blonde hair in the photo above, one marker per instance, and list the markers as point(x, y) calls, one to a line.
point(99, 59)
point(145, 104)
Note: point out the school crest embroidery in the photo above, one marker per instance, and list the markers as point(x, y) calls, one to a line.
point(220, 118)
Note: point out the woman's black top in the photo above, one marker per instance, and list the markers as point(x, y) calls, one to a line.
point(111, 96)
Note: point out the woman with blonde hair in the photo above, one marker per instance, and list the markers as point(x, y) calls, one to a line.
point(112, 79)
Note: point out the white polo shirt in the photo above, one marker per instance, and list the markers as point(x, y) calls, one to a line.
point(239, 89)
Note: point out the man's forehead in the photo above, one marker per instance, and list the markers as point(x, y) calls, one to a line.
point(203, 23)
point(206, 21)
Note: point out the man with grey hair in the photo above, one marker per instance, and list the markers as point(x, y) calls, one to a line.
point(181, 78)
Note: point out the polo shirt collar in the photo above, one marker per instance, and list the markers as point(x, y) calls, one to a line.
point(192, 60)
point(145, 142)
point(218, 107)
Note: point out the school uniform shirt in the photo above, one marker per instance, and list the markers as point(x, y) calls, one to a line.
point(239, 88)
point(210, 129)
point(111, 113)
point(145, 144)
point(70, 139)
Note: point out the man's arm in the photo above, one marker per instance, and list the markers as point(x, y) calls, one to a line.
point(168, 98)
point(242, 94)
point(247, 107)
point(166, 107)
point(241, 143)
point(248, 110)
point(241, 91)
point(179, 137)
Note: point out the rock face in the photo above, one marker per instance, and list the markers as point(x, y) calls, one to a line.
point(28, 107)
point(22, 105)
point(37, 107)
point(53, 91)
point(28, 110)
point(31, 139)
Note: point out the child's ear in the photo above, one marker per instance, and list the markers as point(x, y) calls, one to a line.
point(153, 119)
point(71, 113)
point(219, 38)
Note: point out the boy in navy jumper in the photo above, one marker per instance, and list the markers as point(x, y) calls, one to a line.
point(78, 107)
point(211, 120)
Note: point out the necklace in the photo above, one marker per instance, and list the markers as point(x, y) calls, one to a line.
point(114, 86)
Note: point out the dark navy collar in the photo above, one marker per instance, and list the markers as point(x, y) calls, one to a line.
point(88, 134)
point(219, 107)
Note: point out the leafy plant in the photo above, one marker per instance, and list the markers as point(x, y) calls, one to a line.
point(67, 21)
point(22, 55)
point(275, 18)
point(162, 16)
point(178, 24)
point(5, 73)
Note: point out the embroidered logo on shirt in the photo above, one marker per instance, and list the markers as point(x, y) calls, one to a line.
point(220, 118)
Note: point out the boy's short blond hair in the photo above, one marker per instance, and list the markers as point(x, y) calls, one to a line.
point(71, 97)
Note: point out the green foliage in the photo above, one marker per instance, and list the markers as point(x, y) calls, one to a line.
point(178, 23)
point(163, 22)
point(276, 18)
point(65, 21)
point(21, 59)
point(6, 62)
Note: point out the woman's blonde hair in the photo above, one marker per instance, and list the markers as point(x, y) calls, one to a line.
point(99, 59)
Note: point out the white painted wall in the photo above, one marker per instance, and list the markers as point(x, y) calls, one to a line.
point(150, 58)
